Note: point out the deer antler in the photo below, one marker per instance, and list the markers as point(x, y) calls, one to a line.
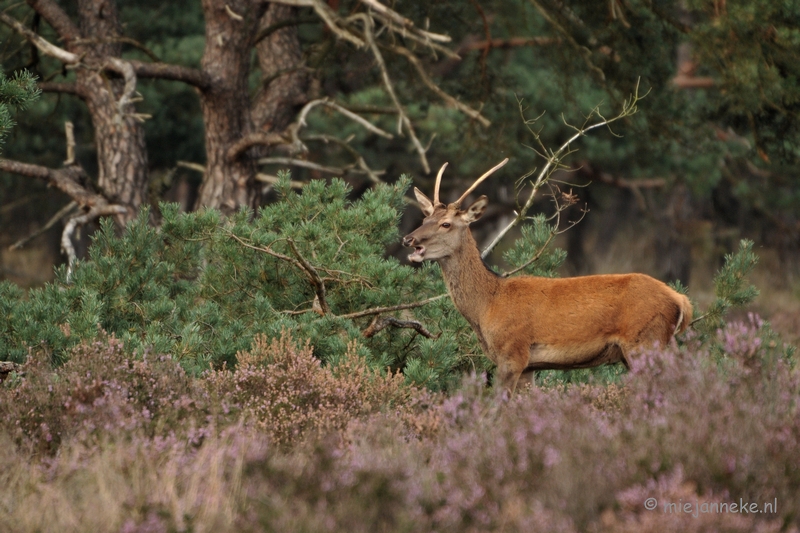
point(438, 182)
point(478, 181)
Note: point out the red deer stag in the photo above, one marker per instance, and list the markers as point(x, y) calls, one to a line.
point(528, 323)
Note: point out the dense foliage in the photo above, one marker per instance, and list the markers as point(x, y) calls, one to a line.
point(280, 443)
point(200, 287)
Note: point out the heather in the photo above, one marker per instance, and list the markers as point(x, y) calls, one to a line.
point(116, 440)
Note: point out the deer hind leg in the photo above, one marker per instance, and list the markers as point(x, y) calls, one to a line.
point(510, 368)
point(525, 381)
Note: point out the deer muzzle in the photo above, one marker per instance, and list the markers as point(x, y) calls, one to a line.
point(418, 255)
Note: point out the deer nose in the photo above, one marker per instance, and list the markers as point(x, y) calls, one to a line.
point(408, 241)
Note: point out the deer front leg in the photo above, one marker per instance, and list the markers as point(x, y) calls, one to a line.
point(508, 374)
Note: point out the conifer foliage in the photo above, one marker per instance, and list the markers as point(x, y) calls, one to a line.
point(15, 92)
point(201, 287)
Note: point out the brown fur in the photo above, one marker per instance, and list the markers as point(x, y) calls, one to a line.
point(529, 323)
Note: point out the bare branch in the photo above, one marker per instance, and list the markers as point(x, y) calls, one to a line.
point(235, 16)
point(313, 276)
point(358, 119)
point(66, 179)
point(380, 310)
point(56, 87)
point(301, 117)
point(570, 199)
point(554, 158)
point(69, 131)
point(95, 212)
point(63, 212)
point(300, 163)
point(254, 139)
point(328, 16)
point(197, 167)
point(272, 180)
point(44, 46)
point(374, 175)
point(165, 71)
point(414, 60)
point(129, 92)
point(403, 119)
point(380, 323)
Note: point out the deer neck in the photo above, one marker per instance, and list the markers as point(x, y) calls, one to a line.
point(470, 283)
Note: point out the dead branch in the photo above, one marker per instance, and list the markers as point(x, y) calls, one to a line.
point(403, 119)
point(294, 129)
point(290, 161)
point(129, 96)
point(57, 87)
point(75, 222)
point(164, 71)
point(414, 60)
point(197, 167)
point(554, 158)
point(66, 179)
point(43, 45)
point(254, 139)
point(380, 310)
point(313, 276)
point(373, 175)
point(301, 117)
point(569, 200)
point(63, 212)
point(359, 29)
point(272, 180)
point(380, 323)
point(69, 131)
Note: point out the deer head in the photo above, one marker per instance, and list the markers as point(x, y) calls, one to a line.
point(445, 227)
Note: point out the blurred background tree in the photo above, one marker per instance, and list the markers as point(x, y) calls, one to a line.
point(202, 102)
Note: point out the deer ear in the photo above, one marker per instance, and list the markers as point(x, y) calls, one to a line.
point(424, 203)
point(476, 210)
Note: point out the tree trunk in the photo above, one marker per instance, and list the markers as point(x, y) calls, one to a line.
point(121, 151)
point(229, 183)
point(284, 80)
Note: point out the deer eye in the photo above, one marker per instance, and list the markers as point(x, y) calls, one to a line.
point(445, 224)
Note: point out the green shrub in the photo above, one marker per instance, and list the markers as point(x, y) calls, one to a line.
point(201, 288)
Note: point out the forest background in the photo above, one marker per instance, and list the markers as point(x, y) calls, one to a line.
point(225, 346)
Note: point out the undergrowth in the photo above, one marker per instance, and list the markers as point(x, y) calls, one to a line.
point(113, 441)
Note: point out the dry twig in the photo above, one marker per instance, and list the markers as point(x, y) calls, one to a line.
point(380, 323)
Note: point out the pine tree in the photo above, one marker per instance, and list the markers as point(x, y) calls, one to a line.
point(16, 93)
